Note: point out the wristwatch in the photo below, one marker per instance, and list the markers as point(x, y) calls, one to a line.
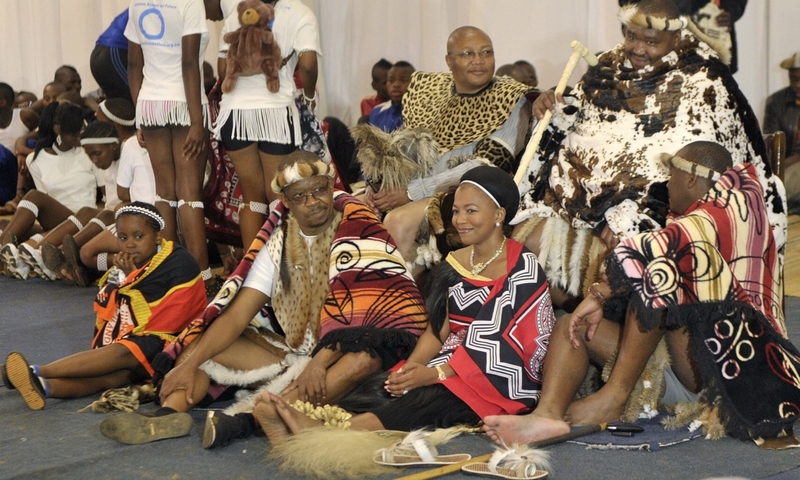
point(442, 375)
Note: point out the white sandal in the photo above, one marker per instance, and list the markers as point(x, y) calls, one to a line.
point(518, 462)
point(416, 449)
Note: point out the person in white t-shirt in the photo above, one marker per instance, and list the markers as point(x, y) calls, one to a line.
point(256, 127)
point(168, 40)
point(66, 183)
point(114, 141)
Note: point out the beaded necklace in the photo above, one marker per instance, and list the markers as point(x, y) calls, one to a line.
point(476, 269)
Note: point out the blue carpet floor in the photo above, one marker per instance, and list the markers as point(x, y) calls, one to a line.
point(46, 321)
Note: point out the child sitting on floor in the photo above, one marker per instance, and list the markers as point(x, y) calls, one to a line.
point(66, 182)
point(132, 180)
point(152, 294)
point(100, 143)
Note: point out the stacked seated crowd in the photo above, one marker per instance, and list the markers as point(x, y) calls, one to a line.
point(649, 212)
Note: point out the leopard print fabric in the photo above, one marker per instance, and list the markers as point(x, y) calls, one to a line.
point(458, 120)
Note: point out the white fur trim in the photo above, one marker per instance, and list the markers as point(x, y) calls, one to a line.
point(290, 368)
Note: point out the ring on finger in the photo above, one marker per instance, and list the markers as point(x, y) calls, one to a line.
point(405, 391)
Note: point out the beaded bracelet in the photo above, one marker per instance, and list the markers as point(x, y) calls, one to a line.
point(595, 293)
point(309, 101)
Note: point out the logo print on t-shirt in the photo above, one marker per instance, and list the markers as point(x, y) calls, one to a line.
point(149, 25)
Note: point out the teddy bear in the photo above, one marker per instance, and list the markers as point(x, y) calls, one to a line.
point(253, 48)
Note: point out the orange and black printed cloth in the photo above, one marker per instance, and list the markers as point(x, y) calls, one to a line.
point(158, 299)
point(715, 270)
point(372, 303)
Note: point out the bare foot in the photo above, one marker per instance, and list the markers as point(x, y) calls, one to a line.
point(599, 407)
point(270, 421)
point(295, 420)
point(522, 429)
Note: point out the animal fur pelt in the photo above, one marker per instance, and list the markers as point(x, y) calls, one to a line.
point(125, 399)
point(696, 415)
point(393, 160)
point(643, 400)
point(602, 165)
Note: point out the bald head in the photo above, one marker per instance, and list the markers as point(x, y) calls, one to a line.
point(460, 33)
point(470, 58)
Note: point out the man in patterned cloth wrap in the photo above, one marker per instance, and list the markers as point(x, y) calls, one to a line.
point(706, 283)
point(471, 115)
point(321, 301)
point(596, 177)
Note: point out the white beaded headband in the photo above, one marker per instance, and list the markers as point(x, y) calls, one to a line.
point(689, 167)
point(142, 211)
point(111, 116)
point(99, 140)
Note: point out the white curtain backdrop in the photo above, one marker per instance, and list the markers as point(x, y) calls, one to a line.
point(37, 36)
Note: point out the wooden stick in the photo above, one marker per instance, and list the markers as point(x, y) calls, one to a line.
point(578, 52)
point(456, 467)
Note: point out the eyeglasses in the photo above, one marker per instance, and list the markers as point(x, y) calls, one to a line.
point(300, 198)
point(469, 55)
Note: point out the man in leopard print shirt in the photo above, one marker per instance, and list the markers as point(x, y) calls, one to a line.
point(473, 116)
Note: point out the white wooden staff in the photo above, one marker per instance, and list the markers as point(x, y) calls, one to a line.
point(578, 51)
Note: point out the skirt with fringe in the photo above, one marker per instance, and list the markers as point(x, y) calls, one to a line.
point(167, 113)
point(276, 125)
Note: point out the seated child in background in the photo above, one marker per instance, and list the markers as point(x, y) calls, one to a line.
point(131, 160)
point(380, 72)
point(25, 145)
point(152, 294)
point(66, 182)
point(15, 122)
point(511, 70)
point(99, 141)
point(24, 99)
point(388, 116)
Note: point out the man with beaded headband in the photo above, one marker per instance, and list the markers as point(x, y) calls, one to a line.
point(709, 284)
point(321, 300)
point(153, 291)
point(596, 177)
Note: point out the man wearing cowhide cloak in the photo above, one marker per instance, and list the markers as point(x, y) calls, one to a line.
point(597, 178)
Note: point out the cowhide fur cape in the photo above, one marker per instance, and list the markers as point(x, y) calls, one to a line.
point(598, 163)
